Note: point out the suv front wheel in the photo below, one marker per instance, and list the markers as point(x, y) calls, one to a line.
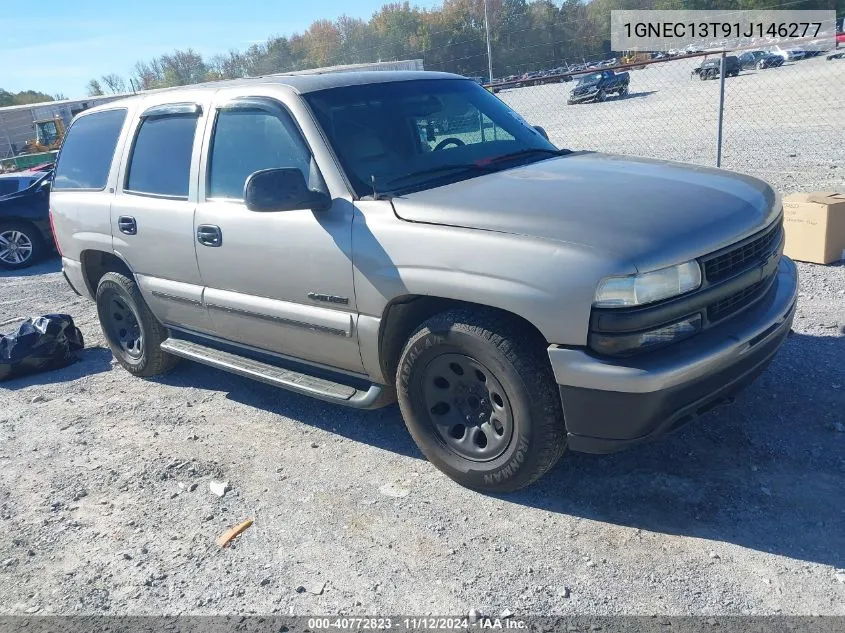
point(478, 396)
point(132, 332)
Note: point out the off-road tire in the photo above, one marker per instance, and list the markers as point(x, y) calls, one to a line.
point(515, 356)
point(32, 237)
point(151, 360)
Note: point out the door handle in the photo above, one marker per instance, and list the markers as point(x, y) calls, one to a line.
point(126, 224)
point(209, 235)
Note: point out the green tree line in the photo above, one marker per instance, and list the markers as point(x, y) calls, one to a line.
point(25, 97)
point(525, 35)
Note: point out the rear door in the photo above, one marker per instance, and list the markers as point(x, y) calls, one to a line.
point(152, 213)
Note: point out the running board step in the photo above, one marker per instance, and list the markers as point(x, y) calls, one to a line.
point(374, 397)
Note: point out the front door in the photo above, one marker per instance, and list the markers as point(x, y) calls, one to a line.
point(280, 280)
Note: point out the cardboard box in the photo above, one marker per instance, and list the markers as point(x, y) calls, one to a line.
point(815, 227)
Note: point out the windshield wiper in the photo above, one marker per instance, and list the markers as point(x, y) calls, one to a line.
point(528, 152)
point(470, 167)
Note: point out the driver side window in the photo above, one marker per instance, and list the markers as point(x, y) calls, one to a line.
point(247, 140)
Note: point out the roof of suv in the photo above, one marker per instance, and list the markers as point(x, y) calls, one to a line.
point(302, 83)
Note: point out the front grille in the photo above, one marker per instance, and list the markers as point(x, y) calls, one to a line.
point(737, 301)
point(742, 257)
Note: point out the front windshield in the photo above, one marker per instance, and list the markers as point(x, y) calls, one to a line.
point(589, 79)
point(411, 135)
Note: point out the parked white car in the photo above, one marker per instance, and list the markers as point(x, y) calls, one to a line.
point(789, 54)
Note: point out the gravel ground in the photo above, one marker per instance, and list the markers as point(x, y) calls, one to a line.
point(784, 125)
point(105, 505)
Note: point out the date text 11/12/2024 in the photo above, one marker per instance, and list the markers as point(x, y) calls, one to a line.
point(422, 623)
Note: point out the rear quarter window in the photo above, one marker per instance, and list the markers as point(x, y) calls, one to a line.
point(87, 152)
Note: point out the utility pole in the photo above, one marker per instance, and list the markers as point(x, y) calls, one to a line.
point(489, 55)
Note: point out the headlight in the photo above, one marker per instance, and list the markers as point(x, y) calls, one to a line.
point(635, 290)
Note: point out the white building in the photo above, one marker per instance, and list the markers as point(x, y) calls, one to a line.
point(16, 122)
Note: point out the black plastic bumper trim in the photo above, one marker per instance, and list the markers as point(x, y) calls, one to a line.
point(608, 421)
point(72, 287)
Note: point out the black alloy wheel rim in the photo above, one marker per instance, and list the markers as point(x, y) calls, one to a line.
point(124, 328)
point(467, 406)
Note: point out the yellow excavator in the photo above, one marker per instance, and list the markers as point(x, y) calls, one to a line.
point(49, 134)
point(633, 57)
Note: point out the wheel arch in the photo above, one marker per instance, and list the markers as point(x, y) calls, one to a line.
point(29, 222)
point(96, 263)
point(18, 219)
point(404, 314)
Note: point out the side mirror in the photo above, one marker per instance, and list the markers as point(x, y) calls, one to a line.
point(282, 189)
point(542, 132)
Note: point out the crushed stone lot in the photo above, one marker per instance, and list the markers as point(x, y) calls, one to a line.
point(106, 506)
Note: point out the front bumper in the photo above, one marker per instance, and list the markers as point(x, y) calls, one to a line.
point(610, 404)
point(582, 98)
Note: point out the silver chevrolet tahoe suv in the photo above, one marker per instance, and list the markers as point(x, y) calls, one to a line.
point(365, 237)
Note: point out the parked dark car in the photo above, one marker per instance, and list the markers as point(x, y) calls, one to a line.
point(759, 60)
point(25, 235)
point(597, 85)
point(18, 181)
point(710, 68)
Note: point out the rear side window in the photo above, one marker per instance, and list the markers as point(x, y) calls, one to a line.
point(87, 152)
point(160, 164)
point(248, 140)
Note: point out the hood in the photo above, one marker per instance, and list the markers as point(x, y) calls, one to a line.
point(649, 212)
point(583, 85)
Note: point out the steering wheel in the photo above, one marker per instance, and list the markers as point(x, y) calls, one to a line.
point(449, 141)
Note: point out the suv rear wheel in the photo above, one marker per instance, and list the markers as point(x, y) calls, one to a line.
point(478, 396)
point(132, 332)
point(20, 245)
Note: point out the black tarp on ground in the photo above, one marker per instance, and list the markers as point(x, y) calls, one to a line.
point(39, 344)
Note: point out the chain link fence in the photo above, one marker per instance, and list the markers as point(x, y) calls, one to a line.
point(784, 124)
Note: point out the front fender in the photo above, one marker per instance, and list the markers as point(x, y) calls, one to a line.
point(549, 283)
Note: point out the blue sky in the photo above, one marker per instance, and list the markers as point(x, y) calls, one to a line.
point(57, 46)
